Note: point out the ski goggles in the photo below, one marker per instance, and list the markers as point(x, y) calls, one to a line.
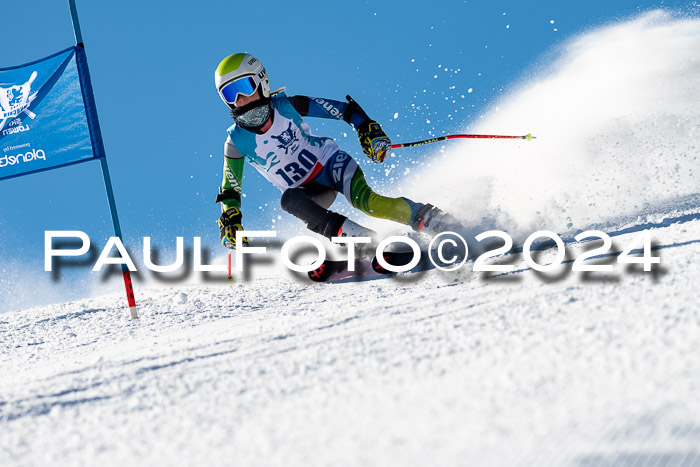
point(245, 86)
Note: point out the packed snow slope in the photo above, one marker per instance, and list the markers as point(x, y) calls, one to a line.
point(523, 368)
point(447, 369)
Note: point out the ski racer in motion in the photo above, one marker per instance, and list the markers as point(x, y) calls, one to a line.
point(310, 170)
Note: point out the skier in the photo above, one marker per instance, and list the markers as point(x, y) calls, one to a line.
point(309, 170)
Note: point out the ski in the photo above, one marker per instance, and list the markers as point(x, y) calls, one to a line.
point(338, 271)
point(332, 271)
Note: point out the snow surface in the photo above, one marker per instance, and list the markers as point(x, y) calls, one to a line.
point(433, 368)
point(439, 370)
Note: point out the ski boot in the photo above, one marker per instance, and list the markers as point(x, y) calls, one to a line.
point(432, 221)
point(353, 229)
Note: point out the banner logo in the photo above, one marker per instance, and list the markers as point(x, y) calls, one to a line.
point(15, 100)
point(29, 156)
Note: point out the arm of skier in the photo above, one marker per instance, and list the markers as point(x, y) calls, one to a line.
point(230, 196)
point(375, 143)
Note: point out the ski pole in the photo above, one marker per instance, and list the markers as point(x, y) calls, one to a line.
point(527, 137)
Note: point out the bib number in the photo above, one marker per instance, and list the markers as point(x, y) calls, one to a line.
point(297, 170)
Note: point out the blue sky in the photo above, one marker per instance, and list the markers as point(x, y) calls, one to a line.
point(438, 66)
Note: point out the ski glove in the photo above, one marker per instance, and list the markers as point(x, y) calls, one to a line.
point(229, 224)
point(375, 143)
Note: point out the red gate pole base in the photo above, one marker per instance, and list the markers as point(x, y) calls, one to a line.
point(133, 311)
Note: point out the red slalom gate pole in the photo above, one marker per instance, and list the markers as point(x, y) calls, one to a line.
point(130, 297)
point(85, 81)
point(230, 276)
point(527, 137)
point(128, 285)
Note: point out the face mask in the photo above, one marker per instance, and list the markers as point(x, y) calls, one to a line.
point(253, 116)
